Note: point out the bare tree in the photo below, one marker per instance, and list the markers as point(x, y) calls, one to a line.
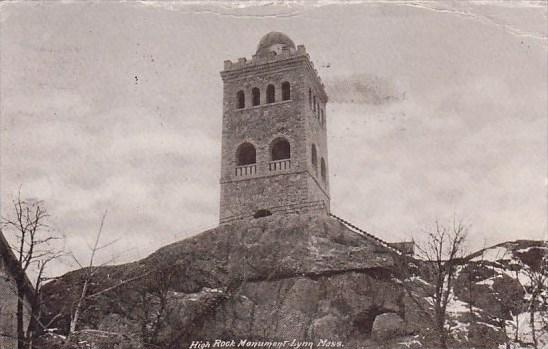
point(443, 250)
point(89, 271)
point(153, 308)
point(34, 249)
point(537, 272)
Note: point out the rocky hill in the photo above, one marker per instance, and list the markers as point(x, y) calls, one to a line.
point(503, 282)
point(302, 278)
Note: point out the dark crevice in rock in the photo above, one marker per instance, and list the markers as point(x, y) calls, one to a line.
point(363, 322)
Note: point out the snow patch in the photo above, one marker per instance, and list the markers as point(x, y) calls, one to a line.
point(489, 282)
point(411, 342)
point(494, 254)
point(457, 306)
point(525, 250)
point(525, 330)
point(418, 279)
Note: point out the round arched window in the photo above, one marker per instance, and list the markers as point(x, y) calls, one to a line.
point(240, 98)
point(314, 159)
point(270, 94)
point(323, 171)
point(256, 96)
point(286, 91)
point(246, 154)
point(280, 149)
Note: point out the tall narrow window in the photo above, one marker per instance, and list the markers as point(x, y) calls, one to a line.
point(321, 117)
point(323, 170)
point(318, 111)
point(270, 94)
point(314, 159)
point(256, 94)
point(286, 91)
point(314, 103)
point(241, 99)
point(245, 154)
point(280, 149)
point(310, 98)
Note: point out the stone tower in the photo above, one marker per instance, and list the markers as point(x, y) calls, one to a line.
point(274, 146)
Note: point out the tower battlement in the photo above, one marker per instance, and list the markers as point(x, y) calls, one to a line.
point(274, 147)
point(234, 69)
point(264, 58)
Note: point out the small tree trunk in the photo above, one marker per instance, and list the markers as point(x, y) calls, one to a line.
point(443, 339)
point(74, 320)
point(20, 314)
point(442, 335)
point(532, 320)
point(516, 336)
point(32, 327)
point(502, 326)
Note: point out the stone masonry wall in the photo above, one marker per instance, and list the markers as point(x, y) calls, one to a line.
point(260, 125)
point(8, 308)
point(316, 132)
point(263, 193)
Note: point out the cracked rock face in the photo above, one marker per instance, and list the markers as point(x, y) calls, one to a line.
point(271, 248)
point(341, 307)
point(302, 277)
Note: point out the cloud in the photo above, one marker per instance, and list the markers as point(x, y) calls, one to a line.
point(446, 113)
point(470, 149)
point(363, 89)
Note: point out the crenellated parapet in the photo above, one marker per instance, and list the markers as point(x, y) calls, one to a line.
point(273, 59)
point(267, 57)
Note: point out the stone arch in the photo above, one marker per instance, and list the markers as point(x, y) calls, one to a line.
point(280, 149)
point(323, 170)
point(286, 91)
point(363, 321)
point(314, 159)
point(240, 99)
point(246, 154)
point(256, 96)
point(270, 94)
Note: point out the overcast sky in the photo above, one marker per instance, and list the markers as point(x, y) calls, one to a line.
point(436, 109)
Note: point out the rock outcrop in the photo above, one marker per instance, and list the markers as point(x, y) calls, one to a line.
point(306, 278)
point(302, 277)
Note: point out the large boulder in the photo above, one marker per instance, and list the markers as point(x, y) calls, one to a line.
point(280, 277)
point(388, 325)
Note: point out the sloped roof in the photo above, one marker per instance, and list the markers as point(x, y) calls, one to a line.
point(6, 253)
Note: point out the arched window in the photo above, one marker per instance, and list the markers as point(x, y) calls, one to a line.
point(323, 171)
point(280, 149)
point(314, 159)
point(241, 99)
point(270, 94)
point(286, 91)
point(245, 154)
point(318, 111)
point(256, 94)
point(310, 98)
point(321, 117)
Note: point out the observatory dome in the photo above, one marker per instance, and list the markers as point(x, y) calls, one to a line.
point(275, 42)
